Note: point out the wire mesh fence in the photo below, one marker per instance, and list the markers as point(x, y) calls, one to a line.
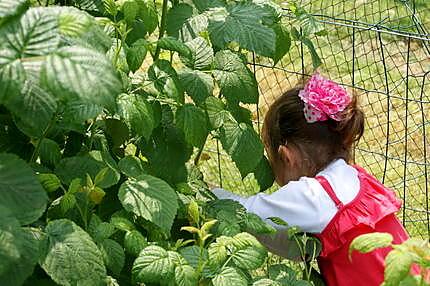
point(381, 51)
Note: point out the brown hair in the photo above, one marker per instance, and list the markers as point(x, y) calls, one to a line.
point(319, 143)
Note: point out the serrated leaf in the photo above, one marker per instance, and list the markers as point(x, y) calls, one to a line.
point(243, 145)
point(193, 211)
point(73, 22)
point(11, 239)
point(77, 112)
point(282, 273)
point(130, 9)
point(79, 166)
point(166, 80)
point(20, 190)
point(136, 54)
point(29, 240)
point(137, 113)
point(151, 198)
point(103, 231)
point(183, 24)
point(113, 255)
point(148, 13)
point(236, 81)
point(278, 221)
point(193, 122)
point(35, 34)
point(49, 152)
point(197, 84)
point(368, 242)
point(50, 182)
point(194, 255)
point(202, 54)
point(122, 223)
point(397, 266)
point(248, 253)
point(153, 266)
point(33, 109)
point(81, 73)
point(216, 112)
point(229, 276)
point(283, 42)
point(68, 242)
point(241, 23)
point(131, 166)
point(10, 8)
point(172, 44)
point(134, 242)
point(254, 224)
point(185, 275)
point(264, 174)
point(266, 282)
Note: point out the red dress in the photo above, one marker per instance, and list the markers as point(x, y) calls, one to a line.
point(372, 210)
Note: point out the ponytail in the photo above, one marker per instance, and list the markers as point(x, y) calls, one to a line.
point(351, 127)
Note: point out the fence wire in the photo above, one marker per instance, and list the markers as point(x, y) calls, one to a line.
point(381, 51)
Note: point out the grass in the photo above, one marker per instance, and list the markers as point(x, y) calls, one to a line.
point(384, 122)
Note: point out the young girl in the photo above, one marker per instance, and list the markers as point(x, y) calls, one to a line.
point(308, 135)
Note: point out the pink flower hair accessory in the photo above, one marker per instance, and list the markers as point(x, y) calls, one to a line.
point(323, 99)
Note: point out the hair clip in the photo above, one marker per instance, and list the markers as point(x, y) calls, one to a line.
point(323, 99)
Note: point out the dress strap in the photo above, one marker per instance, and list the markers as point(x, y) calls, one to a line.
point(329, 190)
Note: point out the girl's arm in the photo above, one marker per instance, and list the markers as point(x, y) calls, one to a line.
point(298, 203)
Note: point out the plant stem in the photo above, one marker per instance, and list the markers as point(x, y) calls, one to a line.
point(162, 28)
point(39, 142)
point(199, 154)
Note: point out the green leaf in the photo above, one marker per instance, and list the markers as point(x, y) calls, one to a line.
point(183, 24)
point(266, 282)
point(283, 42)
point(368, 242)
point(193, 255)
point(49, 152)
point(185, 275)
point(33, 109)
point(131, 166)
point(166, 80)
point(130, 10)
point(316, 60)
point(264, 174)
point(122, 223)
point(10, 8)
point(148, 13)
point(29, 255)
point(113, 255)
point(153, 266)
point(90, 5)
point(254, 224)
point(138, 114)
point(50, 182)
point(229, 276)
point(35, 34)
point(241, 23)
point(397, 266)
point(79, 166)
point(202, 54)
point(20, 190)
point(218, 250)
point(76, 112)
point(136, 54)
point(243, 145)
point(81, 73)
point(103, 231)
point(68, 242)
point(73, 22)
point(193, 122)
point(216, 112)
point(278, 221)
point(247, 252)
point(11, 239)
point(151, 198)
point(12, 76)
point(172, 44)
point(282, 273)
point(197, 84)
point(134, 242)
point(117, 131)
point(236, 81)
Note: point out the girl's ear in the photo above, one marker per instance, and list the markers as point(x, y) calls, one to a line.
point(287, 155)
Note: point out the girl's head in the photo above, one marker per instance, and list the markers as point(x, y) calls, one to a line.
point(302, 138)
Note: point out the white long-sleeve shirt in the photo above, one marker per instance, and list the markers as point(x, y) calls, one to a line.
point(303, 203)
